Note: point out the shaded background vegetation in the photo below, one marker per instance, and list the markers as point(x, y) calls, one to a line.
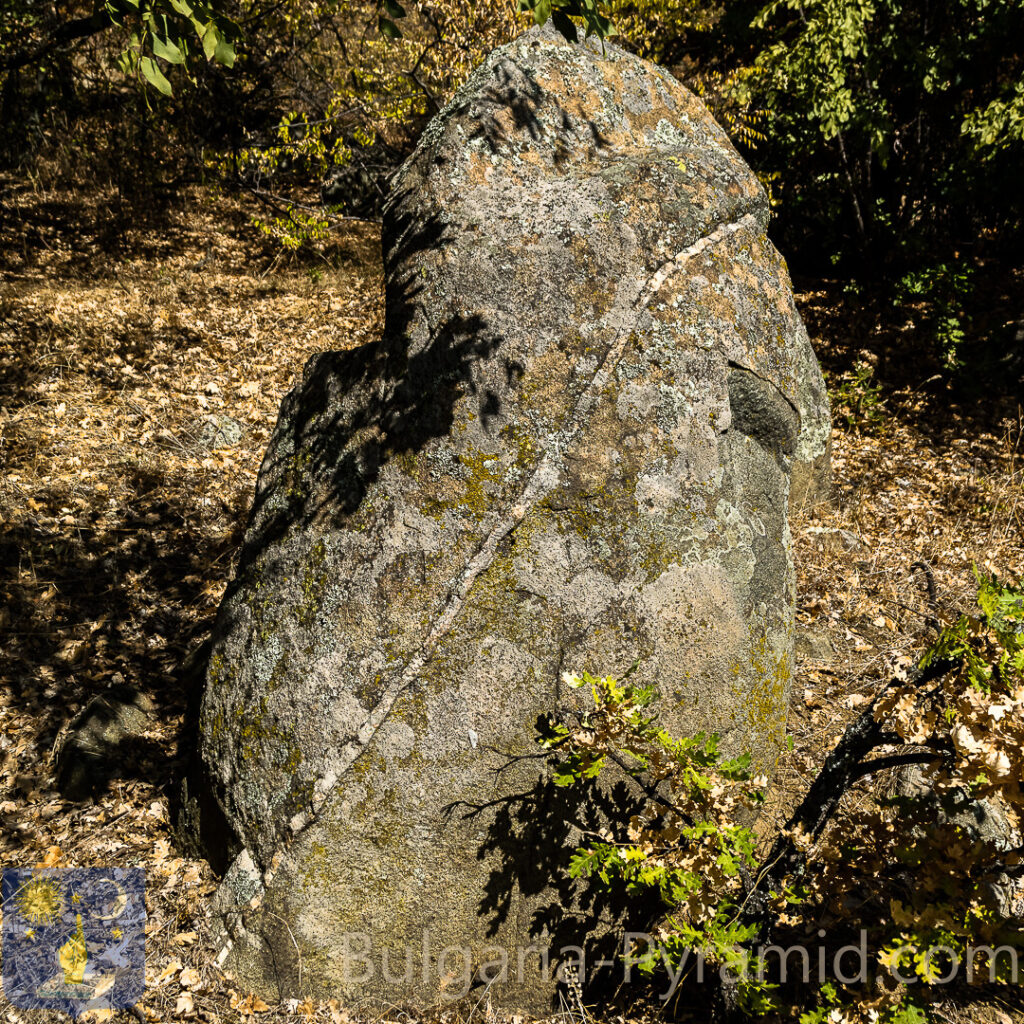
point(888, 134)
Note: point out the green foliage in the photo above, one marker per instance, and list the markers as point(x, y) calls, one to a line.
point(1000, 124)
point(944, 291)
point(890, 104)
point(159, 34)
point(564, 13)
point(912, 872)
point(908, 1013)
point(816, 67)
point(857, 399)
point(295, 228)
point(688, 847)
point(987, 649)
point(165, 32)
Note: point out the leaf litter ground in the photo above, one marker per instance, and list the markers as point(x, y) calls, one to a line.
point(141, 368)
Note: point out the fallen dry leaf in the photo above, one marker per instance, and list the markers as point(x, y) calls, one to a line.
point(248, 1004)
point(190, 978)
point(53, 857)
point(100, 1015)
point(172, 968)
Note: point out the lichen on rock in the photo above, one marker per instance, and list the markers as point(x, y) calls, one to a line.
point(573, 447)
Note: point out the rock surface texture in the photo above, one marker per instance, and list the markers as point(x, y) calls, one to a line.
point(572, 448)
point(108, 730)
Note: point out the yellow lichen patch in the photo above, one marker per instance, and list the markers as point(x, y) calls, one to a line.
point(296, 481)
point(315, 873)
point(314, 579)
point(482, 474)
point(523, 444)
point(258, 599)
point(769, 696)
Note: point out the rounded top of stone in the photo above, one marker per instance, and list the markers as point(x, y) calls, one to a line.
point(542, 107)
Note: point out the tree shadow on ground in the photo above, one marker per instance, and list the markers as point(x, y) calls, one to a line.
point(84, 228)
point(899, 348)
point(87, 608)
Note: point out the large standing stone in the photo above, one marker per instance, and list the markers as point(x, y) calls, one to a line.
point(572, 448)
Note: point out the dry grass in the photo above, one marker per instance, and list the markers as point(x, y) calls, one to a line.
point(118, 524)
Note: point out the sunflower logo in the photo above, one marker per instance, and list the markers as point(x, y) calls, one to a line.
point(40, 902)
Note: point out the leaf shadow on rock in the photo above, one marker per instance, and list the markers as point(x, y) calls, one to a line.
point(506, 117)
point(356, 410)
point(353, 412)
point(530, 839)
point(518, 92)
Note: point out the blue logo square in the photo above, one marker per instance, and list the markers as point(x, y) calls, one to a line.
point(74, 939)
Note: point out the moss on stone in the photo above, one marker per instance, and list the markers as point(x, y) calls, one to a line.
point(769, 695)
point(484, 474)
point(314, 579)
point(296, 481)
point(258, 599)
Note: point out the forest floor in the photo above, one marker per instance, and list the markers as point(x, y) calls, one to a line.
point(124, 345)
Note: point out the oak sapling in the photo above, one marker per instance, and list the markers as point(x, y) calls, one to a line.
point(927, 896)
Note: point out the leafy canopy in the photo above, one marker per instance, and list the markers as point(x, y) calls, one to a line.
point(171, 32)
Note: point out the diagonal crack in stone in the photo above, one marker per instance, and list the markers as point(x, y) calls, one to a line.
point(541, 482)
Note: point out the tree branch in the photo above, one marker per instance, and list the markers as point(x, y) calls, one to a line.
point(843, 766)
point(69, 32)
point(880, 764)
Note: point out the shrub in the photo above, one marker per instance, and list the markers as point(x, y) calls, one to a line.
point(361, 90)
point(920, 879)
point(857, 399)
point(944, 291)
